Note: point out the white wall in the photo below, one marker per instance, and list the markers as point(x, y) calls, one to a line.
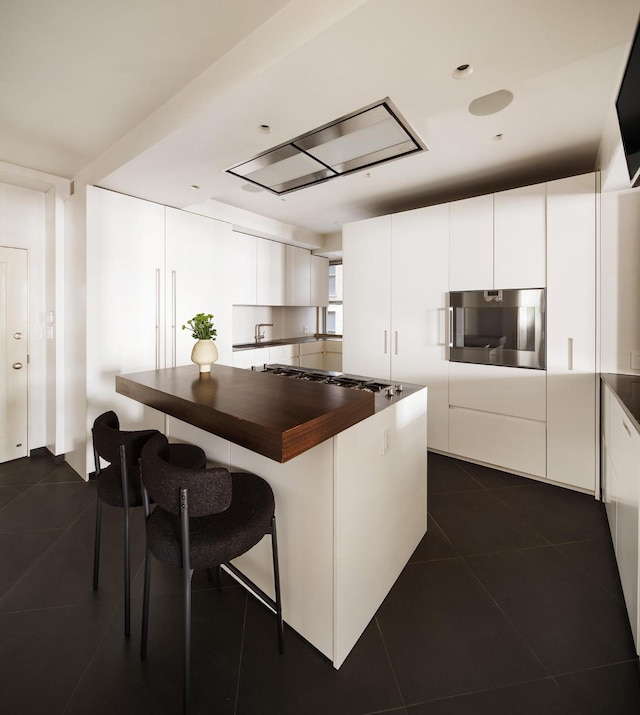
point(23, 225)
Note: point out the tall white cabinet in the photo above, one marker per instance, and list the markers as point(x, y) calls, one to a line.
point(398, 270)
point(395, 304)
point(150, 269)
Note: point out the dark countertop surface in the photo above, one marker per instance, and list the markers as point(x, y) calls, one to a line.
point(285, 341)
point(627, 390)
point(272, 415)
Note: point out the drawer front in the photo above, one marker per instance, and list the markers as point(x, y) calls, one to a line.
point(509, 442)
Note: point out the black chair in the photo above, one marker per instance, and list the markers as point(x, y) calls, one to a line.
point(203, 518)
point(119, 483)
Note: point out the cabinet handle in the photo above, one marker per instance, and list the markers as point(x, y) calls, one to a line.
point(396, 342)
point(157, 318)
point(450, 327)
point(173, 319)
point(570, 354)
point(385, 342)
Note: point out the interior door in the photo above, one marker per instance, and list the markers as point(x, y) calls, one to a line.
point(14, 352)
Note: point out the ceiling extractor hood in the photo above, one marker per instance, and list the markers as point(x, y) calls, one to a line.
point(362, 139)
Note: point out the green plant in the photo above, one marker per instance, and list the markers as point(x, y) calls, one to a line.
point(201, 326)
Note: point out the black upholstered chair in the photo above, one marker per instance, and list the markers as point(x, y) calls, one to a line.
point(203, 518)
point(119, 483)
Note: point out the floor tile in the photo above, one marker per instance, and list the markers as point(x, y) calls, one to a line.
point(614, 689)
point(9, 493)
point(301, 680)
point(597, 559)
point(28, 470)
point(44, 653)
point(541, 697)
point(567, 619)
point(19, 552)
point(560, 514)
point(117, 681)
point(60, 474)
point(491, 478)
point(456, 641)
point(446, 475)
point(47, 506)
point(477, 522)
point(434, 545)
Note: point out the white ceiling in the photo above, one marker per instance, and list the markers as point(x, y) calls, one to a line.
point(150, 97)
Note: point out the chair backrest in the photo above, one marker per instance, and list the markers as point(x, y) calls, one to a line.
point(108, 437)
point(209, 490)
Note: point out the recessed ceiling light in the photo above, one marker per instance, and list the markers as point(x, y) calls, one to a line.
point(498, 137)
point(462, 71)
point(491, 103)
point(195, 186)
point(264, 129)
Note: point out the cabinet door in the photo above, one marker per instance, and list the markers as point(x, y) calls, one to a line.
point(298, 281)
point(419, 283)
point(319, 281)
point(244, 267)
point(571, 338)
point(471, 244)
point(198, 252)
point(366, 259)
point(125, 300)
point(270, 272)
point(519, 236)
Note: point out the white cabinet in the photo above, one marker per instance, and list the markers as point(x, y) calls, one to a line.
point(333, 355)
point(247, 359)
point(519, 234)
point(319, 267)
point(471, 244)
point(622, 494)
point(270, 272)
point(149, 269)
point(244, 269)
point(571, 332)
point(498, 240)
point(312, 354)
point(395, 285)
point(298, 278)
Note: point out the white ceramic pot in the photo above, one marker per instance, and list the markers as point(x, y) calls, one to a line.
point(204, 353)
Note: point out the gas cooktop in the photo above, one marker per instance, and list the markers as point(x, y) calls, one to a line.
point(326, 377)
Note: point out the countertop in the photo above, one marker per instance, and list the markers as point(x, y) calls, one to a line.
point(627, 390)
point(285, 341)
point(274, 416)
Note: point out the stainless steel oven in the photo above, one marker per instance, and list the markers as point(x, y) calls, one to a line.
point(498, 327)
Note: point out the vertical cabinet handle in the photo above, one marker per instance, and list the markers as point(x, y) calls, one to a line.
point(450, 327)
point(396, 343)
point(173, 319)
point(157, 318)
point(385, 342)
point(570, 354)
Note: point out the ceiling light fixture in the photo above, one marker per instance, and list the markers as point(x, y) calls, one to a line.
point(369, 136)
point(462, 71)
point(264, 129)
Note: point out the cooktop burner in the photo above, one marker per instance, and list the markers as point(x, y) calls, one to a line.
point(327, 378)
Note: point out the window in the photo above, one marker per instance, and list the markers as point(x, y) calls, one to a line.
point(334, 310)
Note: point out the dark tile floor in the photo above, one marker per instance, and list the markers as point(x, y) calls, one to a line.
point(511, 605)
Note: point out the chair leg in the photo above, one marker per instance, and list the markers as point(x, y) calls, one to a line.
point(96, 545)
point(127, 575)
point(219, 578)
point(276, 581)
point(187, 572)
point(145, 604)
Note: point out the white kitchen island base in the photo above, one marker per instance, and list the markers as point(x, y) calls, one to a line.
point(350, 513)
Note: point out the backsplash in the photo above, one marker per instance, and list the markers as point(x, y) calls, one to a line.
point(288, 322)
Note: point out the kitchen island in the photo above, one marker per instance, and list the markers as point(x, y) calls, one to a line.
point(348, 469)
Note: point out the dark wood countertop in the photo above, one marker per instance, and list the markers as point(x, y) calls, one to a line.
point(278, 418)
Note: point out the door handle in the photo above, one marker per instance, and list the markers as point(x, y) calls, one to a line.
point(396, 342)
point(385, 342)
point(450, 327)
point(173, 319)
point(17, 366)
point(570, 354)
point(157, 318)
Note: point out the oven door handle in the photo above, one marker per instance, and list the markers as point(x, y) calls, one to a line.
point(450, 326)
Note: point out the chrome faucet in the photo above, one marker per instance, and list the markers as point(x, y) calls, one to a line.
point(259, 335)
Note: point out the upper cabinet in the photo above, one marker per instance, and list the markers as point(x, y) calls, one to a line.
point(499, 240)
point(298, 277)
point(519, 237)
point(270, 273)
point(319, 281)
point(244, 269)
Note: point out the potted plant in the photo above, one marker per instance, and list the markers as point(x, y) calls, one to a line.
point(204, 352)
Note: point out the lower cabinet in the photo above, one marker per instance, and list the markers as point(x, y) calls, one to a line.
point(621, 493)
